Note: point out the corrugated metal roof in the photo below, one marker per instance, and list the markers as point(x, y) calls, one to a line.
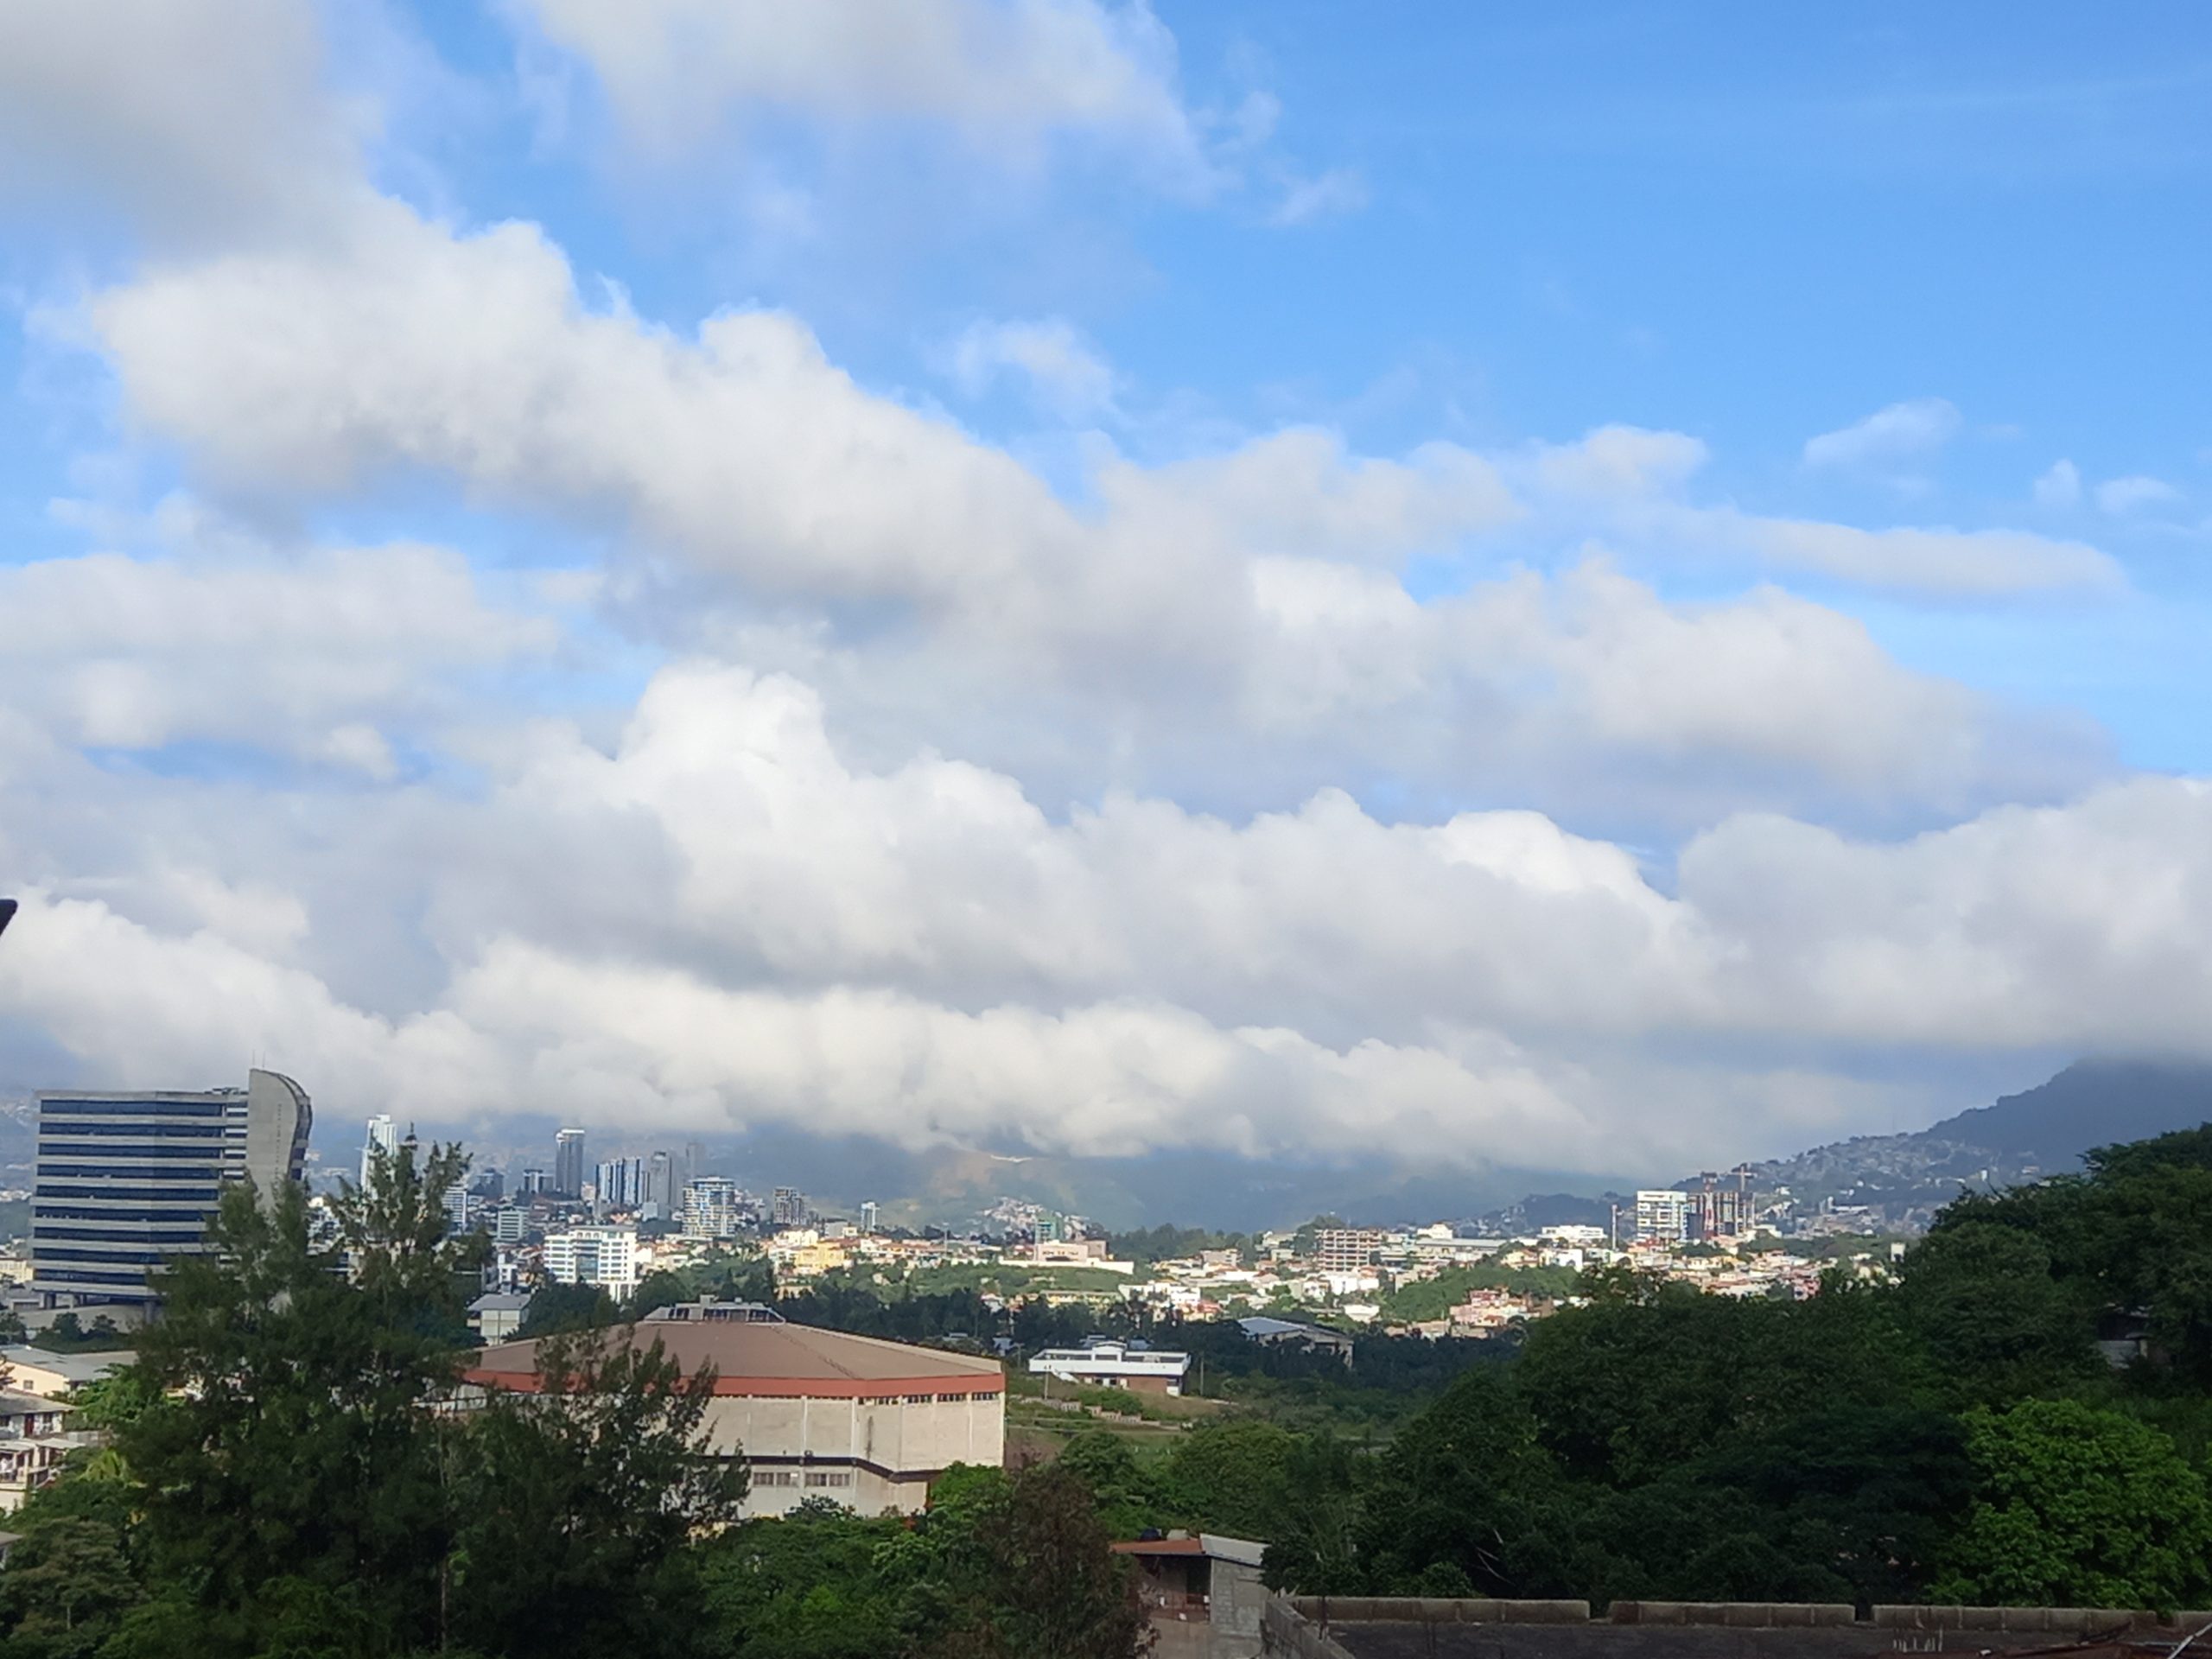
point(749, 1358)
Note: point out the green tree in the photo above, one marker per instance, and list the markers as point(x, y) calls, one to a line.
point(287, 1460)
point(575, 1503)
point(69, 1580)
point(1102, 1460)
point(1040, 1576)
point(1998, 1326)
point(1233, 1478)
point(2075, 1507)
point(558, 1309)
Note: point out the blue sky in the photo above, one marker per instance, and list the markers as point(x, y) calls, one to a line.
point(1622, 586)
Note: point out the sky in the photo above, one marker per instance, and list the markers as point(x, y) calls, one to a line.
point(1584, 589)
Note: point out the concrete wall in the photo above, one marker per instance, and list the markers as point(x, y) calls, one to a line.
point(1378, 1627)
point(874, 1441)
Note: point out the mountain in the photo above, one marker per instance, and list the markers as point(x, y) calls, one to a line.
point(1901, 1180)
point(2091, 1104)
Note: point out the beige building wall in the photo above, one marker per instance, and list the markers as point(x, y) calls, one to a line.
point(854, 1451)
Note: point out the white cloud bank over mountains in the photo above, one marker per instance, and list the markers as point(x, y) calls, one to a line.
point(889, 788)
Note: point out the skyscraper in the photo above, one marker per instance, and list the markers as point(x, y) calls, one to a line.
point(568, 1163)
point(787, 1206)
point(125, 1180)
point(868, 1217)
point(711, 1207)
point(620, 1183)
point(660, 1187)
point(383, 1136)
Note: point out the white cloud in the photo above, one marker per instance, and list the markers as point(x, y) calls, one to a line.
point(2124, 495)
point(2059, 487)
point(1067, 376)
point(203, 120)
point(1901, 432)
point(1008, 75)
point(1325, 195)
point(1627, 482)
point(1181, 597)
point(750, 929)
point(302, 657)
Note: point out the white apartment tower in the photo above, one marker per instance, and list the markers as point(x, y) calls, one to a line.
point(383, 1136)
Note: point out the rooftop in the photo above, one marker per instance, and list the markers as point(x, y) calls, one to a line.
point(70, 1368)
point(775, 1358)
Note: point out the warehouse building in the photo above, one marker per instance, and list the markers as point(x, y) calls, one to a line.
point(814, 1414)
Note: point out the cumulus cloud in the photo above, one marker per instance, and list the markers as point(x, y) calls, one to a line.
point(2125, 495)
point(753, 930)
point(1631, 482)
point(1325, 195)
point(1066, 375)
point(1901, 432)
point(203, 120)
point(2059, 487)
point(303, 656)
point(1253, 593)
point(1006, 74)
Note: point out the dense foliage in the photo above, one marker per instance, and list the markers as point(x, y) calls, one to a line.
point(295, 1470)
point(1954, 1434)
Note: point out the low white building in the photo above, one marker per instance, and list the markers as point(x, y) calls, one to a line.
point(1115, 1365)
point(606, 1257)
point(814, 1414)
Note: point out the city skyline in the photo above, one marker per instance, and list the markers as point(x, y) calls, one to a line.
point(1596, 594)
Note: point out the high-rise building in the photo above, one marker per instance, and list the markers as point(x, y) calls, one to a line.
point(535, 1182)
point(1662, 1216)
point(695, 1161)
point(712, 1207)
point(1719, 1210)
point(568, 1163)
point(868, 1217)
point(659, 1198)
point(620, 1183)
point(463, 1207)
point(787, 1206)
point(125, 1180)
point(509, 1224)
point(607, 1256)
point(383, 1136)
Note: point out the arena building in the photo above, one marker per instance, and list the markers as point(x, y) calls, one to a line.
point(813, 1413)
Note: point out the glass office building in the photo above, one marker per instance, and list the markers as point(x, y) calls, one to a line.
point(125, 1180)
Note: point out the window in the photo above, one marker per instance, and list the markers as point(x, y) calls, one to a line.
point(775, 1477)
point(951, 1399)
point(917, 1399)
point(817, 1478)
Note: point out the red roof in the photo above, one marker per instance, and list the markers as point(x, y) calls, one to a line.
point(776, 1360)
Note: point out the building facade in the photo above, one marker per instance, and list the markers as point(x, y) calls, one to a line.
point(127, 1180)
point(383, 1136)
point(620, 1183)
point(713, 1208)
point(1663, 1217)
point(33, 1443)
point(1346, 1249)
point(818, 1414)
point(606, 1257)
point(1115, 1365)
point(569, 1163)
